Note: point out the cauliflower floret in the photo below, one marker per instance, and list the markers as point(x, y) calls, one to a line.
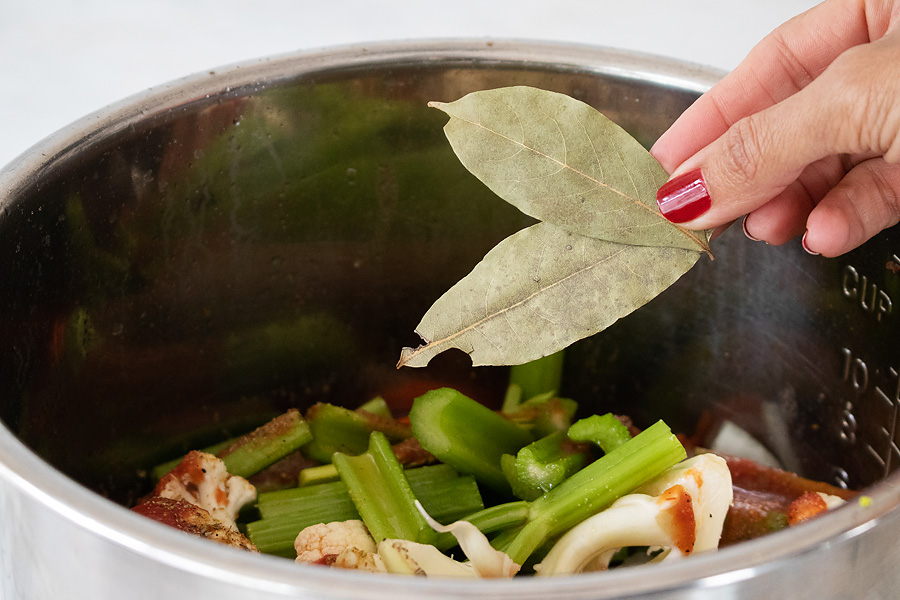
point(202, 479)
point(343, 544)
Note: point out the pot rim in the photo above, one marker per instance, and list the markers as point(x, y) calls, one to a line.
point(43, 483)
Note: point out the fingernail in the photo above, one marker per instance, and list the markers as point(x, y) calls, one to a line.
point(684, 198)
point(805, 247)
point(747, 233)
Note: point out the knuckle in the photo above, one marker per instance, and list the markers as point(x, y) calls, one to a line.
point(886, 187)
point(741, 152)
point(862, 84)
point(791, 64)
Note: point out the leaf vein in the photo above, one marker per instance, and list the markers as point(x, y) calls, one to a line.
point(475, 326)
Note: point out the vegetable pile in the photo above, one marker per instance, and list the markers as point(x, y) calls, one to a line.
point(406, 495)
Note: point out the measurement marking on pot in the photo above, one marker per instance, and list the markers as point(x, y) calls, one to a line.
point(863, 290)
point(881, 422)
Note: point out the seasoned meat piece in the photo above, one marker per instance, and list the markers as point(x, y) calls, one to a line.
point(189, 517)
point(763, 497)
point(411, 454)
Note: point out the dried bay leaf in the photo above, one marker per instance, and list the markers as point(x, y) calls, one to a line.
point(559, 160)
point(540, 290)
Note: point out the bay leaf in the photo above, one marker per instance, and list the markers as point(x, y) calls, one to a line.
point(540, 290)
point(560, 160)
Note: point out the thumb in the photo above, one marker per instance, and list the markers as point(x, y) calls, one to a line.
point(762, 154)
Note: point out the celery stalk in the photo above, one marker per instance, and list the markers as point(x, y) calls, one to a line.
point(318, 474)
point(466, 435)
point(377, 406)
point(381, 493)
point(250, 453)
point(253, 452)
point(606, 431)
point(538, 376)
point(544, 464)
point(596, 487)
point(444, 494)
point(512, 399)
point(337, 429)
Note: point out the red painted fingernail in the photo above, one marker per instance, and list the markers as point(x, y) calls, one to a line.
point(747, 233)
point(805, 247)
point(684, 198)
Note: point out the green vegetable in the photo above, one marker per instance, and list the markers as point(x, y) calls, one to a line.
point(542, 465)
point(381, 493)
point(337, 429)
point(377, 406)
point(254, 451)
point(602, 251)
point(595, 487)
point(606, 431)
point(282, 521)
point(512, 399)
point(466, 435)
point(538, 376)
point(318, 474)
point(445, 494)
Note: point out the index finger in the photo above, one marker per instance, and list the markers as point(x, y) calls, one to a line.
point(782, 64)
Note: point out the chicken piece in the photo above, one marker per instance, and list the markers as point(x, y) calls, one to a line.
point(809, 505)
point(410, 453)
point(763, 496)
point(682, 510)
point(192, 519)
point(203, 480)
point(342, 544)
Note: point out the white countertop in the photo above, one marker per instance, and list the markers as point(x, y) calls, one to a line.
point(60, 60)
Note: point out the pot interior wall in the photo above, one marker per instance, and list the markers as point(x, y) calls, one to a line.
point(189, 276)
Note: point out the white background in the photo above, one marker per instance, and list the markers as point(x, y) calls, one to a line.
point(60, 60)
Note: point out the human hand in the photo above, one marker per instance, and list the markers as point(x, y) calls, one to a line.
point(803, 137)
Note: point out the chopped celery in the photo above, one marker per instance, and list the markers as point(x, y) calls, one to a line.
point(337, 429)
point(431, 485)
point(318, 474)
point(446, 496)
point(466, 435)
point(253, 452)
point(381, 493)
point(595, 487)
point(377, 406)
point(250, 453)
point(544, 464)
point(512, 399)
point(538, 376)
point(607, 431)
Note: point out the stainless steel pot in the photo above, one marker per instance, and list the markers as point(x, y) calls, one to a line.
point(183, 264)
